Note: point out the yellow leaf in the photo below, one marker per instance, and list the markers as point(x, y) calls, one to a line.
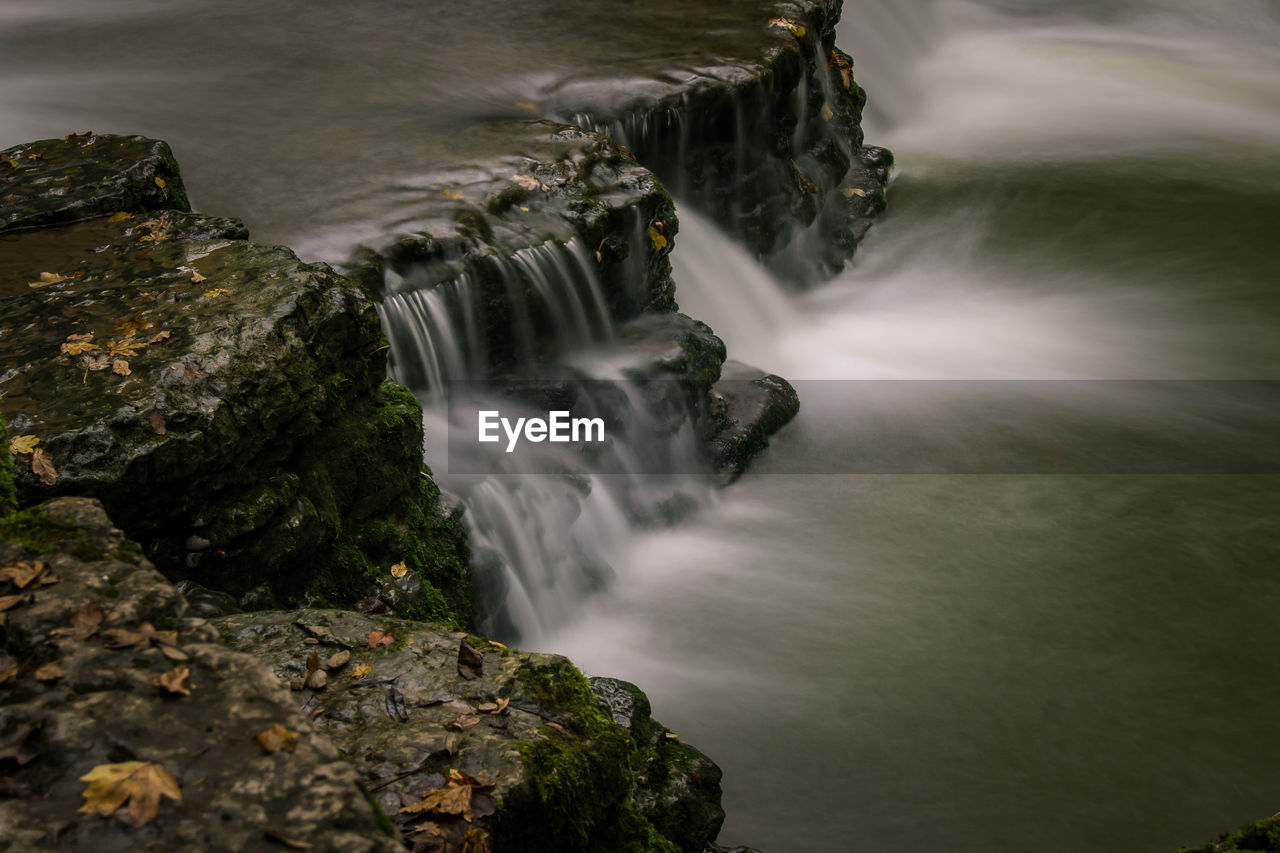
point(399, 570)
point(361, 670)
point(127, 347)
point(22, 444)
point(174, 681)
point(160, 183)
point(452, 194)
point(850, 192)
point(121, 367)
point(119, 217)
point(77, 344)
point(659, 241)
point(277, 738)
point(827, 114)
point(42, 466)
point(215, 293)
point(794, 27)
point(47, 278)
point(141, 783)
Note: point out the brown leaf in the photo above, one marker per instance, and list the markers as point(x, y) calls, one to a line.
point(196, 278)
point(158, 425)
point(470, 661)
point(96, 362)
point(121, 638)
point(529, 182)
point(130, 326)
point(77, 344)
point(50, 672)
point(149, 296)
point(160, 337)
point(850, 192)
point(464, 722)
point(292, 843)
point(277, 738)
point(140, 783)
point(453, 195)
point(126, 347)
point(174, 681)
point(8, 602)
point(451, 799)
point(361, 670)
point(47, 278)
point(338, 661)
point(496, 644)
point(380, 638)
point(22, 574)
point(121, 367)
point(313, 660)
point(85, 622)
point(789, 24)
point(7, 671)
point(85, 135)
point(143, 255)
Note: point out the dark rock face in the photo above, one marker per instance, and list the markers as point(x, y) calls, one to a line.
point(747, 406)
point(83, 650)
point(566, 768)
point(223, 399)
point(1260, 837)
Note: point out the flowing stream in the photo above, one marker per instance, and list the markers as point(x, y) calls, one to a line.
point(1006, 660)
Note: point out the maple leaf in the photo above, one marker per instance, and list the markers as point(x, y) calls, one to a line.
point(47, 278)
point(399, 570)
point(457, 797)
point(361, 670)
point(140, 783)
point(42, 466)
point(22, 444)
point(124, 347)
point(77, 344)
point(380, 638)
point(121, 367)
point(174, 681)
point(276, 738)
point(131, 325)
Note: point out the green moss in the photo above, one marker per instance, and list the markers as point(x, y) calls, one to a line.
point(35, 530)
point(8, 490)
point(1260, 837)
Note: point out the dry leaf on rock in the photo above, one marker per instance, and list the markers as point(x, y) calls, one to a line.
point(790, 25)
point(529, 182)
point(21, 574)
point(850, 192)
point(160, 337)
point(22, 444)
point(496, 644)
point(85, 621)
point(380, 638)
point(464, 722)
point(292, 843)
point(361, 670)
point(140, 783)
point(277, 738)
point(50, 672)
point(130, 326)
point(399, 570)
point(196, 278)
point(8, 602)
point(96, 362)
point(7, 671)
point(175, 681)
point(160, 183)
point(453, 195)
point(121, 367)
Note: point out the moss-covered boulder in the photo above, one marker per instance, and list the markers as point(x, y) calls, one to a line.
point(1260, 837)
point(423, 713)
point(103, 671)
point(224, 400)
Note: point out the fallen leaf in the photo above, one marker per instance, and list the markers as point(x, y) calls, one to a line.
point(4, 158)
point(140, 783)
point(96, 362)
point(160, 183)
point(143, 255)
point(399, 570)
point(124, 347)
point(496, 644)
point(657, 235)
point(77, 344)
point(50, 672)
point(451, 799)
point(293, 843)
point(7, 671)
point(850, 192)
point(42, 466)
point(313, 660)
point(160, 337)
point(361, 670)
point(559, 728)
point(8, 602)
point(131, 325)
point(826, 113)
point(452, 194)
point(338, 660)
point(174, 681)
point(35, 156)
point(165, 641)
point(464, 722)
point(215, 292)
point(47, 278)
point(277, 738)
point(196, 277)
point(119, 217)
point(22, 574)
point(470, 661)
point(149, 296)
point(158, 425)
point(85, 621)
point(22, 444)
point(380, 638)
point(794, 27)
point(529, 182)
point(121, 367)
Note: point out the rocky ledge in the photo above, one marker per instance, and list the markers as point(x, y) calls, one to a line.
point(224, 400)
point(127, 722)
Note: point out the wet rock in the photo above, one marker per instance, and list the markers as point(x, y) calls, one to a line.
point(1260, 837)
point(748, 406)
point(558, 762)
point(106, 708)
point(223, 399)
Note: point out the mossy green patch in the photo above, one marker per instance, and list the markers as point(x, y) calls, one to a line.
point(8, 491)
point(1260, 837)
point(35, 531)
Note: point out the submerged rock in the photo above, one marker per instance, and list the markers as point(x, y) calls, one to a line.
point(223, 399)
point(102, 664)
